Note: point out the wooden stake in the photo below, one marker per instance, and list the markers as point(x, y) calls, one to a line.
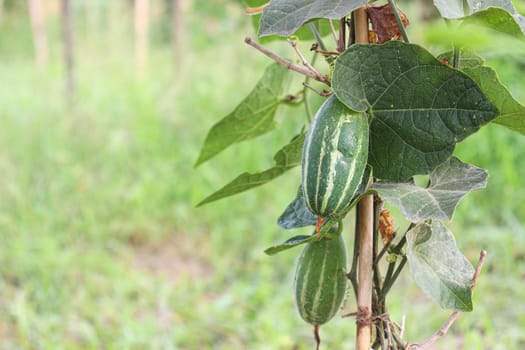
point(365, 213)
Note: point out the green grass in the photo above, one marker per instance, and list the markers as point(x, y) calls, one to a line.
point(101, 247)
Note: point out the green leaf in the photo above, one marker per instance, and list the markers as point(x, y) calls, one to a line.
point(460, 8)
point(500, 20)
point(331, 228)
point(456, 9)
point(284, 17)
point(290, 243)
point(438, 267)
point(285, 159)
point(511, 112)
point(420, 107)
point(302, 33)
point(253, 117)
point(449, 182)
point(297, 214)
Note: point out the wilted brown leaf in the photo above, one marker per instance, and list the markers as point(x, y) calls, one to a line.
point(386, 226)
point(384, 22)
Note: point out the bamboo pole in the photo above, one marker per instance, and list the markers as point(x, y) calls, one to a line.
point(365, 216)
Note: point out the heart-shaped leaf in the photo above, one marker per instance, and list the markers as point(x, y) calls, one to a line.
point(438, 267)
point(449, 182)
point(285, 159)
point(284, 17)
point(420, 107)
point(253, 117)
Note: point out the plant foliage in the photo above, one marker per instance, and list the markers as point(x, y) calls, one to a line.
point(416, 106)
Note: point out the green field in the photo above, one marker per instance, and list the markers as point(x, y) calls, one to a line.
point(101, 246)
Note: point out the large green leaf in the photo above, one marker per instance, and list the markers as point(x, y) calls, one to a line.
point(449, 182)
point(284, 17)
point(438, 267)
point(499, 15)
point(285, 159)
point(420, 107)
point(254, 116)
point(511, 112)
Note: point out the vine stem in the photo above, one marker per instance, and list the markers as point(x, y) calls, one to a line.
point(365, 213)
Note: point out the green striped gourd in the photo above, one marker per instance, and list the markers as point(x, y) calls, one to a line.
point(320, 280)
point(335, 154)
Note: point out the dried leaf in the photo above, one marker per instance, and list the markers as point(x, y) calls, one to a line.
point(386, 226)
point(384, 22)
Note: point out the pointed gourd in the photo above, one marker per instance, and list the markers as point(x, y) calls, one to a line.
point(320, 280)
point(334, 158)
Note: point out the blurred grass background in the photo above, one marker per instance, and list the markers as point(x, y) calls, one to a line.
point(100, 245)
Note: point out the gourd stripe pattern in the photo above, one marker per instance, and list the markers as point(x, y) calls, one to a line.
point(320, 280)
point(334, 158)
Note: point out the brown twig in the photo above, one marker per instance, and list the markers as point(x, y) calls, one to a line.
point(323, 52)
point(314, 75)
point(304, 61)
point(448, 323)
point(350, 314)
point(323, 93)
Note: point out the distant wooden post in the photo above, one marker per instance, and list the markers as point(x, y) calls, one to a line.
point(38, 19)
point(141, 35)
point(1, 9)
point(67, 31)
point(177, 27)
